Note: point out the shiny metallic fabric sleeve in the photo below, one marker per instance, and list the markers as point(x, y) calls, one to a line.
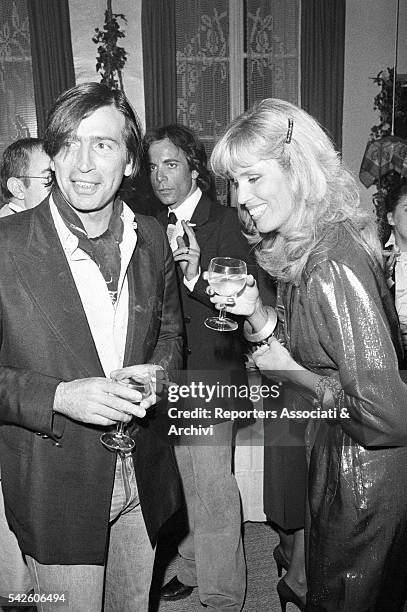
point(353, 333)
point(340, 322)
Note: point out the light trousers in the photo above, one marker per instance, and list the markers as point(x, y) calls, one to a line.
point(127, 575)
point(211, 554)
point(14, 574)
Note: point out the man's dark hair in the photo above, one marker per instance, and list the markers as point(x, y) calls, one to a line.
point(194, 150)
point(16, 161)
point(395, 187)
point(80, 102)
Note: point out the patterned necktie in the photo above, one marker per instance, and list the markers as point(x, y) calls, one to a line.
point(172, 221)
point(104, 249)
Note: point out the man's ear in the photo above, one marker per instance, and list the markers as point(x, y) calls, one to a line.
point(390, 219)
point(129, 166)
point(16, 187)
point(194, 174)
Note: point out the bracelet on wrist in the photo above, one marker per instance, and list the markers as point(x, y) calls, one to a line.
point(265, 332)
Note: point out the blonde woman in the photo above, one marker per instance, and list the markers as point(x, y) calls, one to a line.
point(339, 347)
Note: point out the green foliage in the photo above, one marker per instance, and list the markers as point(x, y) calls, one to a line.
point(112, 58)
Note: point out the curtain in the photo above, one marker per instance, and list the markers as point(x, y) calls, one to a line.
point(322, 63)
point(17, 117)
point(51, 48)
point(160, 76)
point(273, 55)
point(230, 54)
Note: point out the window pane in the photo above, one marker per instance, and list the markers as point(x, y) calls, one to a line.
point(265, 56)
point(202, 65)
point(272, 43)
point(203, 69)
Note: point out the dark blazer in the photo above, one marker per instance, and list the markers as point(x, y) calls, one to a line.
point(58, 496)
point(219, 234)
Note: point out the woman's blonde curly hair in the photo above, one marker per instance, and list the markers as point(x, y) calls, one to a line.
point(323, 190)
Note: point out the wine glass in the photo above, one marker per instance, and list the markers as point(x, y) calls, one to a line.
point(118, 440)
point(226, 276)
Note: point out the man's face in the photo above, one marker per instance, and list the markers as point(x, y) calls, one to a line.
point(90, 166)
point(398, 221)
point(171, 178)
point(38, 187)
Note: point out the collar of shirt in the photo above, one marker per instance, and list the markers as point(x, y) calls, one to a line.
point(391, 241)
point(401, 290)
point(400, 278)
point(70, 242)
point(401, 256)
point(184, 212)
point(16, 207)
point(107, 322)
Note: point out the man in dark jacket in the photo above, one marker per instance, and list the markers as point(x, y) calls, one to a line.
point(211, 555)
point(85, 288)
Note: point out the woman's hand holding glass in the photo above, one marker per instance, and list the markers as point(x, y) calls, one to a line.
point(244, 303)
point(226, 277)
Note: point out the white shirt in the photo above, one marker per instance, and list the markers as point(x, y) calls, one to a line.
point(10, 208)
point(107, 322)
point(184, 212)
point(401, 287)
point(400, 279)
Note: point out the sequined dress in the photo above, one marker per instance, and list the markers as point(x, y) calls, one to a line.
point(341, 322)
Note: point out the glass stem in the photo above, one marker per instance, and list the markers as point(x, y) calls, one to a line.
point(120, 429)
point(222, 312)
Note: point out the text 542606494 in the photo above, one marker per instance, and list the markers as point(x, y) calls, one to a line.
point(34, 598)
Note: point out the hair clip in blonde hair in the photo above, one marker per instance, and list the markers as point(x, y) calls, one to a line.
point(289, 130)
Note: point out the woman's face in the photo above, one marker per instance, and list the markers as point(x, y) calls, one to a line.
point(264, 191)
point(398, 220)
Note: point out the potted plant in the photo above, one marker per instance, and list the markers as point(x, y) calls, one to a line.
point(383, 102)
point(111, 58)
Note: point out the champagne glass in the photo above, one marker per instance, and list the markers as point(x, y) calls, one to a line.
point(226, 276)
point(118, 440)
